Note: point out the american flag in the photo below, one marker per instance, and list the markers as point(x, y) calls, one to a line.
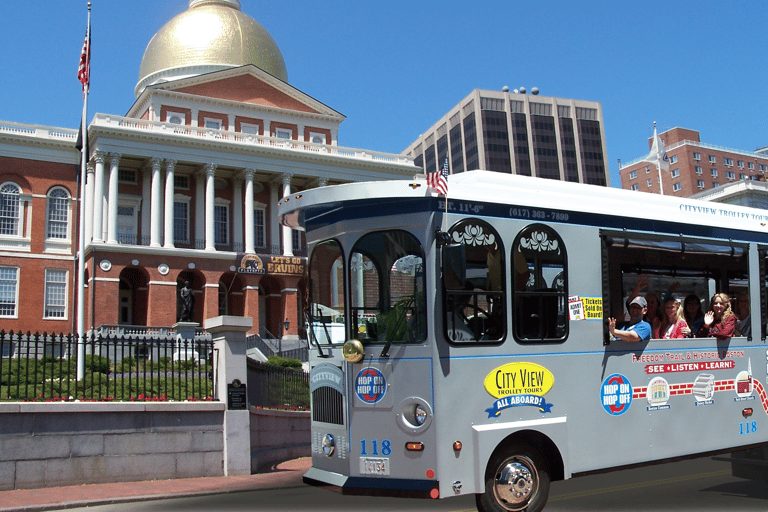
point(439, 180)
point(83, 71)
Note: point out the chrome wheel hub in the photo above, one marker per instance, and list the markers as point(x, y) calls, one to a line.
point(516, 483)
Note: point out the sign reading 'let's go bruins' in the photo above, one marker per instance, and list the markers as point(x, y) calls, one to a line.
point(518, 384)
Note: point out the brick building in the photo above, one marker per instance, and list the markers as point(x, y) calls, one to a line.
point(694, 166)
point(183, 187)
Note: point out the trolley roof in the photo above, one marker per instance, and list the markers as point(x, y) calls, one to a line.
point(629, 209)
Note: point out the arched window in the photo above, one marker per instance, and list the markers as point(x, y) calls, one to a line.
point(474, 286)
point(540, 297)
point(9, 209)
point(58, 213)
point(387, 288)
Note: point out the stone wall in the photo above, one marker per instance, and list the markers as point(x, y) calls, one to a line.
point(70, 443)
point(277, 436)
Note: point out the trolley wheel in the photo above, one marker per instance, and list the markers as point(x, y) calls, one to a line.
point(516, 480)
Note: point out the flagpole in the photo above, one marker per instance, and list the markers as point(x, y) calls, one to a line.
point(81, 242)
point(658, 157)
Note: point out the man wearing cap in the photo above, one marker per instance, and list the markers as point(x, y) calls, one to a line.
point(637, 329)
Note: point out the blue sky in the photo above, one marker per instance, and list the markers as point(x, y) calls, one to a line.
point(394, 68)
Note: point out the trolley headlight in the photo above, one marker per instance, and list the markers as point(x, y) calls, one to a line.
point(415, 415)
point(420, 414)
point(329, 445)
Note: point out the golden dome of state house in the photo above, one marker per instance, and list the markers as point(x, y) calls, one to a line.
point(211, 35)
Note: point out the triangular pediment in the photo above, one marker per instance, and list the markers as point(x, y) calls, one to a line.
point(246, 84)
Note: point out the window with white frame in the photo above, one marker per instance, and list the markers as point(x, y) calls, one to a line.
point(700, 183)
point(180, 220)
point(633, 175)
point(176, 118)
point(751, 166)
point(249, 128)
point(9, 291)
point(212, 123)
point(712, 159)
point(650, 182)
point(730, 175)
point(647, 169)
point(675, 173)
point(181, 181)
point(728, 161)
point(714, 173)
point(699, 170)
point(317, 138)
point(221, 224)
point(283, 133)
point(696, 156)
point(677, 187)
point(634, 186)
point(126, 176)
point(10, 207)
point(58, 213)
point(673, 159)
point(259, 227)
point(740, 163)
point(55, 293)
point(742, 176)
point(715, 185)
point(761, 167)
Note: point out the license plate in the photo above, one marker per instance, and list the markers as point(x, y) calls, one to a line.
point(374, 466)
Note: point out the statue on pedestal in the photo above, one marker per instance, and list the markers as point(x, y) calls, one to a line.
point(187, 302)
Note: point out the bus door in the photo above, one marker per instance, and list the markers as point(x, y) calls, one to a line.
point(388, 368)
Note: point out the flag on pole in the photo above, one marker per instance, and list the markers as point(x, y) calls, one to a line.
point(84, 70)
point(439, 180)
point(658, 155)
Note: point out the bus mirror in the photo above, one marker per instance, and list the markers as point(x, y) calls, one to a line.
point(454, 267)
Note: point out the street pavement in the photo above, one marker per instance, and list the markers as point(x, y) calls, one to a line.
point(285, 475)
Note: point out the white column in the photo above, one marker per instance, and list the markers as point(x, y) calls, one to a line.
point(170, 166)
point(274, 221)
point(114, 161)
point(88, 220)
point(210, 175)
point(98, 195)
point(237, 213)
point(156, 204)
point(287, 232)
point(249, 231)
point(146, 199)
point(199, 208)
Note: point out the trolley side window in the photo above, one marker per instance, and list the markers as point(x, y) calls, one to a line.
point(661, 267)
point(387, 288)
point(540, 295)
point(326, 292)
point(475, 300)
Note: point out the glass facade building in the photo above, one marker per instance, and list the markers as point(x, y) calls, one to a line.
point(517, 133)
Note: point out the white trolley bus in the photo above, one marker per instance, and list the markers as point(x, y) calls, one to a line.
point(462, 347)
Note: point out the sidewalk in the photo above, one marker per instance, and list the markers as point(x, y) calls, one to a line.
point(286, 474)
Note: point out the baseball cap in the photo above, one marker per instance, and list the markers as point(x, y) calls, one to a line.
point(640, 301)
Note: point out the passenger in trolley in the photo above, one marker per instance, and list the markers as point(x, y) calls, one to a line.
point(673, 325)
point(719, 322)
point(638, 329)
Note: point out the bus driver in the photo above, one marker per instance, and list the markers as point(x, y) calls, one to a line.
point(637, 329)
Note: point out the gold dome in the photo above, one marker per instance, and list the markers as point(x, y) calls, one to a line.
point(210, 35)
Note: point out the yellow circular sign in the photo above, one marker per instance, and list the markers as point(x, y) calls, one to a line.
point(519, 379)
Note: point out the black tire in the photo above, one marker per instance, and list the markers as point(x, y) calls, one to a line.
point(516, 480)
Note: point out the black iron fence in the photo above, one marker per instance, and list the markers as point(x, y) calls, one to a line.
point(277, 388)
point(158, 367)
